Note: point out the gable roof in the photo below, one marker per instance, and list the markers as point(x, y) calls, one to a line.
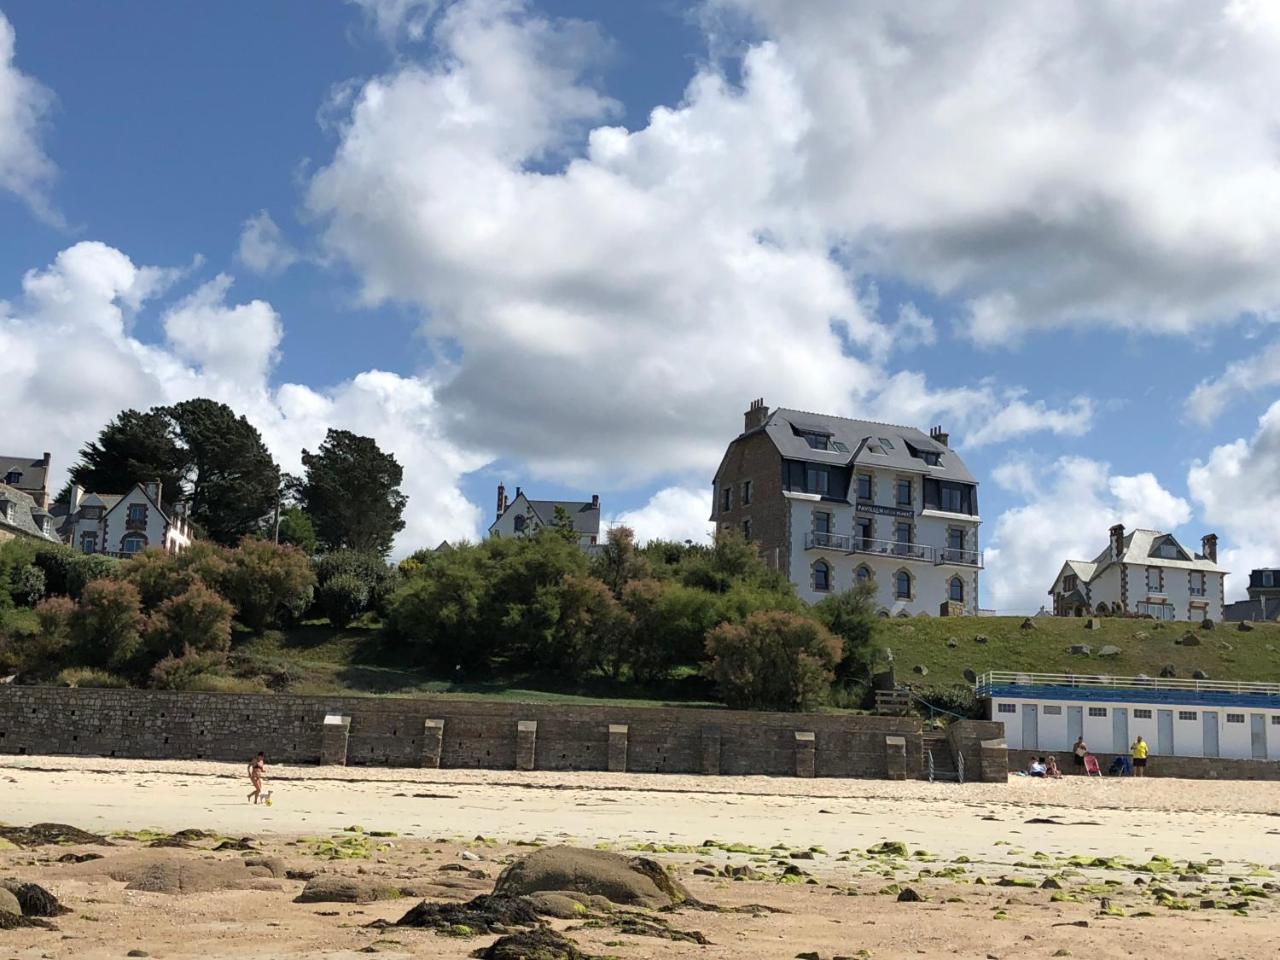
point(26, 513)
point(1136, 549)
point(33, 471)
point(863, 442)
point(584, 516)
point(137, 488)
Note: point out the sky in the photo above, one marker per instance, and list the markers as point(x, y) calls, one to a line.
point(562, 244)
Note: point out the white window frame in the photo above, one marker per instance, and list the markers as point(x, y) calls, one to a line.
point(1140, 713)
point(1097, 711)
point(1006, 708)
point(1188, 715)
point(1051, 710)
point(1235, 718)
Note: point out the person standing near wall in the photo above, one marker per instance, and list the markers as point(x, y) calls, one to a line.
point(257, 767)
point(1139, 752)
point(1078, 753)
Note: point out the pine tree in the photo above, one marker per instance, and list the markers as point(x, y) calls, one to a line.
point(351, 492)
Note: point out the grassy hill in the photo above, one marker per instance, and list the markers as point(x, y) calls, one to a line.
point(1225, 653)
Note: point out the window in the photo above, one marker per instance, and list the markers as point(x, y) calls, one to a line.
point(1268, 580)
point(1197, 584)
point(726, 499)
point(1140, 714)
point(866, 531)
point(133, 543)
point(746, 493)
point(886, 443)
point(1235, 718)
point(864, 573)
point(1097, 711)
point(956, 590)
point(818, 441)
point(903, 493)
point(815, 480)
point(137, 515)
point(518, 522)
point(1051, 710)
point(1275, 719)
point(864, 486)
point(1187, 715)
point(13, 478)
point(88, 543)
point(746, 529)
point(1069, 582)
point(1155, 580)
point(902, 532)
point(902, 585)
point(932, 459)
point(821, 521)
point(1168, 551)
point(955, 538)
point(821, 576)
point(1007, 708)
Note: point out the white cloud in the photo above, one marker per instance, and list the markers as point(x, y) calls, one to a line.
point(1211, 396)
point(913, 329)
point(1069, 507)
point(67, 350)
point(673, 513)
point(395, 17)
point(25, 169)
point(1236, 489)
point(263, 248)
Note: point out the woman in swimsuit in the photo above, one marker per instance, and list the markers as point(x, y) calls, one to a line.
point(256, 769)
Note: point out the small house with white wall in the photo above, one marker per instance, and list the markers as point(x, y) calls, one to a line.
point(124, 524)
point(522, 517)
point(1144, 573)
point(1178, 718)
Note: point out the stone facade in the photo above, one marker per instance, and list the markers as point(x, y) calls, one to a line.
point(449, 733)
point(754, 459)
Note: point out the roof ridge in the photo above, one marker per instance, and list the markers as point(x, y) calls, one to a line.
point(836, 416)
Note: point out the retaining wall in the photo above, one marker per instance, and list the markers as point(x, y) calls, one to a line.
point(391, 731)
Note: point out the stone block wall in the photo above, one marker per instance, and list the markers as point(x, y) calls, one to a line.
point(391, 731)
point(981, 743)
point(1189, 768)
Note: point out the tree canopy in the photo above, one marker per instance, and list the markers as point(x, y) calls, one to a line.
point(351, 492)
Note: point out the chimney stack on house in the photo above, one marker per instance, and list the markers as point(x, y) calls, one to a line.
point(1209, 547)
point(595, 501)
point(756, 415)
point(77, 494)
point(938, 436)
point(502, 500)
point(152, 488)
point(1117, 540)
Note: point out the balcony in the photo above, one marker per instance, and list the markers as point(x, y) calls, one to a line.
point(963, 558)
point(843, 543)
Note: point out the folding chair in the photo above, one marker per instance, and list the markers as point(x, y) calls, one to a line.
point(1091, 768)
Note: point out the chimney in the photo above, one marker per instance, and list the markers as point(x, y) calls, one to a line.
point(152, 487)
point(77, 494)
point(518, 492)
point(938, 436)
point(1117, 540)
point(756, 415)
point(502, 500)
point(595, 501)
point(1209, 547)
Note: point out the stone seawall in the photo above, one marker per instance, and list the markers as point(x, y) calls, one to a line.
point(441, 732)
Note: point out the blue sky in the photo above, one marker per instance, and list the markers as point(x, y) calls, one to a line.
point(563, 244)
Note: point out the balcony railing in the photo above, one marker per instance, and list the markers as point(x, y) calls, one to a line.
point(844, 543)
point(968, 558)
point(1197, 591)
point(1007, 678)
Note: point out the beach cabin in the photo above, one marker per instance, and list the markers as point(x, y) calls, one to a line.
point(1178, 718)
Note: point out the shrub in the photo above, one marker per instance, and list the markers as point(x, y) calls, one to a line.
point(957, 698)
point(197, 619)
point(158, 576)
point(594, 632)
point(17, 564)
point(268, 582)
point(56, 562)
point(774, 660)
point(91, 677)
point(851, 616)
point(342, 598)
point(370, 569)
point(180, 671)
point(105, 626)
point(85, 568)
point(26, 586)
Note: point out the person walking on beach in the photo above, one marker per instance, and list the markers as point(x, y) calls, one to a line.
point(1078, 753)
point(257, 767)
point(1139, 753)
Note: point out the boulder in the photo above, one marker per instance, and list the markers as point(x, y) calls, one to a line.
point(335, 889)
point(909, 896)
point(9, 903)
point(970, 676)
point(980, 638)
point(1206, 624)
point(1142, 635)
point(1093, 623)
point(951, 643)
point(1081, 649)
point(33, 899)
point(1027, 624)
point(1169, 672)
point(1244, 626)
point(1189, 639)
point(1110, 650)
point(921, 669)
point(1199, 675)
point(631, 881)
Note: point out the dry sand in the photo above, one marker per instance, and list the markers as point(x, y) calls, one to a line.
point(435, 813)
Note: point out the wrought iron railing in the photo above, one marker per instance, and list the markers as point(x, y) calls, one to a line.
point(969, 558)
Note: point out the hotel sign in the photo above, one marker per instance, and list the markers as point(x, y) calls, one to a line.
point(902, 513)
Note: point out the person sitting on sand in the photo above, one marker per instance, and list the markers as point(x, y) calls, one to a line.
point(1078, 753)
point(257, 767)
point(1036, 768)
point(1051, 769)
point(1139, 751)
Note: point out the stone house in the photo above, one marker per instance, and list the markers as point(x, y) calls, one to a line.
point(22, 516)
point(28, 475)
point(122, 525)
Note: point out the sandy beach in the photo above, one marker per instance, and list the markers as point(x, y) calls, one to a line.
point(963, 841)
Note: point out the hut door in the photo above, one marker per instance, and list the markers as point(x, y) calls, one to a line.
point(1164, 733)
point(1258, 735)
point(1120, 729)
point(1030, 726)
point(1210, 733)
point(1075, 724)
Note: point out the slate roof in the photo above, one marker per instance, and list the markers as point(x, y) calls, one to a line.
point(585, 517)
point(26, 515)
point(863, 442)
point(32, 470)
point(1136, 548)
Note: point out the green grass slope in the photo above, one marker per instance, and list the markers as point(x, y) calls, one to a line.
point(1225, 653)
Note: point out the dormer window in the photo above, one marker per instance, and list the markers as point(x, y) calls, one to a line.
point(820, 441)
point(13, 477)
point(1069, 582)
point(886, 443)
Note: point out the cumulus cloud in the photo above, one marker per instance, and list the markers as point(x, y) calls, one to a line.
point(263, 247)
point(1236, 489)
point(1068, 507)
point(394, 18)
point(1212, 396)
point(1102, 163)
point(67, 349)
point(673, 513)
point(25, 169)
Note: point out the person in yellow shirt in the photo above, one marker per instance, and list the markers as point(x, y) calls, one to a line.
point(1139, 751)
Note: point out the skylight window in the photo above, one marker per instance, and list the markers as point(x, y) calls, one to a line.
point(886, 443)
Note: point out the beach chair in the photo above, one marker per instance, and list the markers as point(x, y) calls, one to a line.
point(1091, 768)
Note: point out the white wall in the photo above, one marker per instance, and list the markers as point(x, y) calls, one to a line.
point(117, 517)
point(930, 582)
